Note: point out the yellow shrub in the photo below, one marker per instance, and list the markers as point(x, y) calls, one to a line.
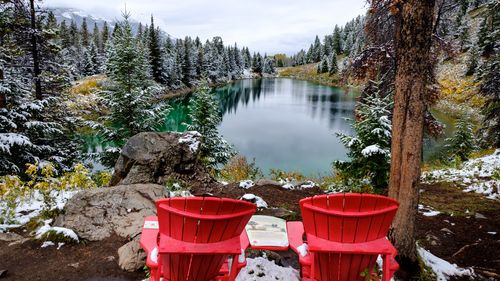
point(239, 169)
point(461, 90)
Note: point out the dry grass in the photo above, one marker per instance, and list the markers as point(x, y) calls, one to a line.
point(308, 72)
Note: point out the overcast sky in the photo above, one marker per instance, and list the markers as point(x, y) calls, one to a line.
point(267, 26)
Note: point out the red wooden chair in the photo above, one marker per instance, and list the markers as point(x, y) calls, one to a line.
point(197, 238)
point(345, 234)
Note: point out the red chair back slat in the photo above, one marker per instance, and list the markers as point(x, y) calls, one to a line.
point(346, 218)
point(199, 220)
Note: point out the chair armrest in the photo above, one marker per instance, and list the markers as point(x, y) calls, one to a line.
point(295, 231)
point(379, 246)
point(169, 245)
point(245, 243)
point(148, 240)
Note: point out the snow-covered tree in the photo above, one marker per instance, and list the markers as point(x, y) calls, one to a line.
point(155, 53)
point(323, 65)
point(205, 117)
point(463, 141)
point(269, 65)
point(333, 64)
point(369, 149)
point(130, 94)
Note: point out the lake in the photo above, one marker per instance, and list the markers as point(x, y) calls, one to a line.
point(281, 123)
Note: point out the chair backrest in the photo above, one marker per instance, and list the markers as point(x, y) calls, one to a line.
point(199, 220)
point(346, 218)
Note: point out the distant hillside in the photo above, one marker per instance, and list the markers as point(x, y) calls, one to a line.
point(70, 14)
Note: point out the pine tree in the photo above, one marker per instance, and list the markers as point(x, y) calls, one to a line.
point(96, 37)
point(473, 62)
point(490, 132)
point(369, 150)
point(129, 99)
point(269, 65)
point(104, 36)
point(336, 41)
point(333, 65)
point(317, 55)
point(155, 53)
point(64, 35)
point(85, 33)
point(257, 63)
point(323, 65)
point(205, 117)
point(463, 141)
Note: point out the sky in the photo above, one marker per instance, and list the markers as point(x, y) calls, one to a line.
point(266, 26)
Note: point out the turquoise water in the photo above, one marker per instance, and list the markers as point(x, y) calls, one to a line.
point(281, 123)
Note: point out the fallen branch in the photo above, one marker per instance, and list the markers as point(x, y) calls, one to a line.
point(463, 248)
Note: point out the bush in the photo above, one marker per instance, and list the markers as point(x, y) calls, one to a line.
point(239, 169)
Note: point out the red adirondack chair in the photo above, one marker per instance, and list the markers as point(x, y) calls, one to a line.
point(345, 234)
point(197, 239)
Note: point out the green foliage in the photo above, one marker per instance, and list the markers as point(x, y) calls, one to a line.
point(129, 95)
point(369, 150)
point(374, 275)
point(333, 65)
point(55, 236)
point(205, 116)
point(463, 141)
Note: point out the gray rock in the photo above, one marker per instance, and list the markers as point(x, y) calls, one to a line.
point(131, 256)
point(480, 216)
point(157, 157)
point(10, 237)
point(433, 240)
point(264, 181)
point(96, 214)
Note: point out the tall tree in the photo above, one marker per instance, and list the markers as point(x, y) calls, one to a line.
point(34, 52)
point(155, 53)
point(412, 42)
point(84, 31)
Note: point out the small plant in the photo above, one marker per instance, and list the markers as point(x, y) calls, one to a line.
point(374, 275)
point(55, 236)
point(282, 176)
point(239, 169)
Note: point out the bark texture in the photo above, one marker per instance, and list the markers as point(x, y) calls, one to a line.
point(412, 46)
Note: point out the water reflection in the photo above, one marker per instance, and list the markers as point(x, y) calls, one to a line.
point(286, 124)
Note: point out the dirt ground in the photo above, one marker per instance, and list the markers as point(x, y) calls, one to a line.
point(461, 239)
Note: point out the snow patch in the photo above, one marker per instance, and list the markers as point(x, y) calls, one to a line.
point(371, 150)
point(261, 269)
point(65, 231)
point(154, 255)
point(190, 138)
point(47, 243)
point(475, 175)
point(303, 249)
point(246, 184)
point(255, 199)
point(442, 268)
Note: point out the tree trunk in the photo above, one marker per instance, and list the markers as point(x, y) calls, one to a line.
point(34, 51)
point(412, 45)
point(3, 100)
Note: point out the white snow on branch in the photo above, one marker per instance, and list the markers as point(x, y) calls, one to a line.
point(372, 149)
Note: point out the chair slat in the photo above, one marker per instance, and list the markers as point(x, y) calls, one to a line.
point(345, 266)
point(354, 271)
point(190, 224)
point(321, 219)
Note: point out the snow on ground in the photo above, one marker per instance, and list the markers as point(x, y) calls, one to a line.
point(253, 198)
point(261, 269)
point(28, 208)
point(479, 175)
point(427, 211)
point(46, 228)
point(442, 268)
point(294, 184)
point(246, 184)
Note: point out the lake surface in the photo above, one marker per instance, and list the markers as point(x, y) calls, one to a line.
point(283, 123)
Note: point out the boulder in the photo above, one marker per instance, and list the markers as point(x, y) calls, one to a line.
point(131, 256)
point(10, 237)
point(159, 157)
point(264, 181)
point(96, 214)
